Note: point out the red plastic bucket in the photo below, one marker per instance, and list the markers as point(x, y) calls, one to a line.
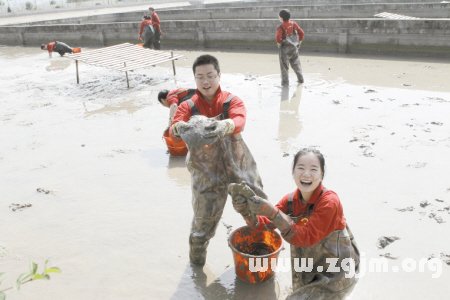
point(247, 243)
point(176, 147)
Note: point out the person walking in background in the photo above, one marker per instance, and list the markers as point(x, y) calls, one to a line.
point(289, 37)
point(60, 47)
point(156, 24)
point(147, 32)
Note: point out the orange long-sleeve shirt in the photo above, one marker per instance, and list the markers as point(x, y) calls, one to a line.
point(174, 96)
point(144, 23)
point(327, 216)
point(156, 21)
point(51, 46)
point(289, 27)
point(236, 111)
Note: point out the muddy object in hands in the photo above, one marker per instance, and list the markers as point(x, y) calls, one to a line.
point(199, 126)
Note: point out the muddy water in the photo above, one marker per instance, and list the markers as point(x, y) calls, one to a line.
point(117, 213)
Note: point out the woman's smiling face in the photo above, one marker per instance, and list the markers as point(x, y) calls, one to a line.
point(307, 172)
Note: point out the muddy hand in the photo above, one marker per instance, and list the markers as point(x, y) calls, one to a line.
point(180, 128)
point(241, 206)
point(262, 207)
point(240, 203)
point(241, 189)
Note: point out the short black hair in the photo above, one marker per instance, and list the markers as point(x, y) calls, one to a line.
point(285, 14)
point(206, 59)
point(43, 46)
point(162, 95)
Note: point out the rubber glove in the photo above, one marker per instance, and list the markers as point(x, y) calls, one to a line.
point(262, 207)
point(240, 204)
point(179, 128)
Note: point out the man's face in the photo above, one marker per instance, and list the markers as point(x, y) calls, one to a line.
point(207, 80)
point(164, 102)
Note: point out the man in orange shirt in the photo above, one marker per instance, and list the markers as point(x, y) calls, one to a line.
point(56, 46)
point(289, 37)
point(156, 24)
point(224, 159)
point(147, 32)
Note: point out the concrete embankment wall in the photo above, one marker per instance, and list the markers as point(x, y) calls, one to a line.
point(427, 37)
point(422, 10)
point(254, 3)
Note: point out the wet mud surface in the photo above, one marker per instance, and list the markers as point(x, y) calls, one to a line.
point(94, 190)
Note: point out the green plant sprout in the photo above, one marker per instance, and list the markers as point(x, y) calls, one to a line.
point(31, 275)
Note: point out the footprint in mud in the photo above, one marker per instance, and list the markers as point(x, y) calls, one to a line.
point(409, 208)
point(19, 207)
point(44, 191)
point(437, 99)
point(432, 210)
point(368, 151)
point(424, 204)
point(384, 241)
point(122, 151)
point(445, 258)
point(388, 255)
point(417, 165)
point(436, 217)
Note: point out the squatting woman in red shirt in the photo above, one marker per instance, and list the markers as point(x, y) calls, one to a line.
point(312, 220)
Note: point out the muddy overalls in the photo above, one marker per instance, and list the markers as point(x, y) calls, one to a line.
point(288, 54)
point(315, 284)
point(212, 168)
point(62, 48)
point(149, 36)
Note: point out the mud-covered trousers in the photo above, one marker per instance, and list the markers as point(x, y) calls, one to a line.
point(62, 48)
point(157, 40)
point(329, 274)
point(288, 54)
point(212, 168)
point(149, 36)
